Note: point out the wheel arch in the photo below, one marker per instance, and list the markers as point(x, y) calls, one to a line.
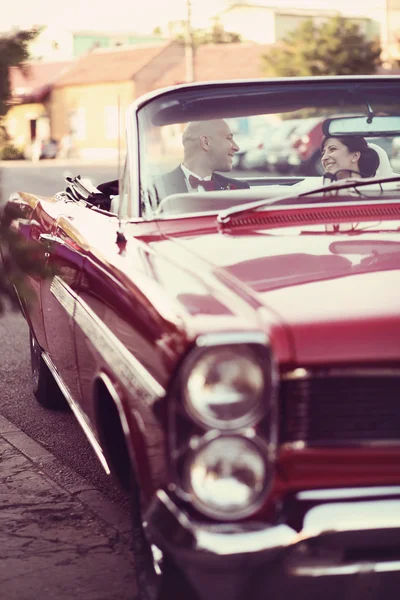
point(114, 431)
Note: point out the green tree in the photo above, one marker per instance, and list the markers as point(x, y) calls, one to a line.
point(14, 51)
point(336, 47)
point(18, 257)
point(216, 35)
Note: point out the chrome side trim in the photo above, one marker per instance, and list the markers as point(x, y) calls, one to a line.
point(128, 369)
point(301, 373)
point(347, 493)
point(117, 401)
point(77, 412)
point(240, 337)
point(64, 294)
point(350, 569)
point(122, 416)
point(302, 445)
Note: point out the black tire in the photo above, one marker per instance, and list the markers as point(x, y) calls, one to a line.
point(170, 582)
point(45, 388)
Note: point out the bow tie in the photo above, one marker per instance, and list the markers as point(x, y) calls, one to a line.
point(208, 185)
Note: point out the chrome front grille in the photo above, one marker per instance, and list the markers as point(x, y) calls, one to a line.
point(340, 407)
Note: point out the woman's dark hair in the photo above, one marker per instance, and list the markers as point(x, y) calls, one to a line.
point(368, 162)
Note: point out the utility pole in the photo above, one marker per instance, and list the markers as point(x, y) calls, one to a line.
point(189, 50)
point(385, 36)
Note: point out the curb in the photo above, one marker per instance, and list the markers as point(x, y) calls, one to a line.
point(64, 478)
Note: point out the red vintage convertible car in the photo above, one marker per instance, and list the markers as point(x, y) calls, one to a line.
point(231, 346)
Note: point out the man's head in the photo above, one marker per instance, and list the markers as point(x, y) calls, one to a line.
point(208, 146)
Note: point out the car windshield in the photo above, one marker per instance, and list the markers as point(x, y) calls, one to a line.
point(199, 146)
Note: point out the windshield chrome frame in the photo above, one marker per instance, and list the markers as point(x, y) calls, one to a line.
point(132, 164)
point(132, 209)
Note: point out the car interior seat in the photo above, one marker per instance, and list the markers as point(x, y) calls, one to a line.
point(385, 168)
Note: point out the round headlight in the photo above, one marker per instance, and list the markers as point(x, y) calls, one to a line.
point(227, 477)
point(224, 388)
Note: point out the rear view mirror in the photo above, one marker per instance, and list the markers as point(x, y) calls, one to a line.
point(379, 126)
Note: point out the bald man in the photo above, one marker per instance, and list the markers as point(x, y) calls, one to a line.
point(208, 147)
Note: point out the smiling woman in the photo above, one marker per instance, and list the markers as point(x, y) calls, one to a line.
point(349, 156)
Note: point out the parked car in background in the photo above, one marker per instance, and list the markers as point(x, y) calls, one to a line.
point(250, 134)
point(233, 356)
point(41, 149)
point(255, 155)
point(49, 148)
point(279, 151)
point(305, 151)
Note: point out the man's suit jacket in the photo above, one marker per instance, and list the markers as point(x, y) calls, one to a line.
point(174, 182)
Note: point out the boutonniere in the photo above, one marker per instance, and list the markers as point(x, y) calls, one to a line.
point(231, 186)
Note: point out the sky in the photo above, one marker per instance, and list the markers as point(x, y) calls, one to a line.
point(134, 15)
point(142, 16)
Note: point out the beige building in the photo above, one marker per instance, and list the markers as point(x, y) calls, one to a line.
point(29, 117)
point(89, 101)
point(266, 21)
point(269, 24)
point(84, 105)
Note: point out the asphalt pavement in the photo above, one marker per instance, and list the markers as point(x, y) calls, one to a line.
point(60, 538)
point(48, 176)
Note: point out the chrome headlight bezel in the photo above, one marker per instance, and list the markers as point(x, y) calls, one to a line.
point(200, 445)
point(257, 355)
point(188, 430)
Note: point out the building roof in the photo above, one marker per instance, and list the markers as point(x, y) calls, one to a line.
point(294, 11)
point(275, 8)
point(219, 61)
point(109, 65)
point(32, 81)
point(116, 33)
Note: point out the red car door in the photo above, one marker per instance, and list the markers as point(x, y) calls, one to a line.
point(97, 291)
point(58, 296)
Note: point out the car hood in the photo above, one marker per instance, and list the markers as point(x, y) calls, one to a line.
point(337, 294)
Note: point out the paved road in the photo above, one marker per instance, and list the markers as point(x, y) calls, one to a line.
point(48, 177)
point(59, 537)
